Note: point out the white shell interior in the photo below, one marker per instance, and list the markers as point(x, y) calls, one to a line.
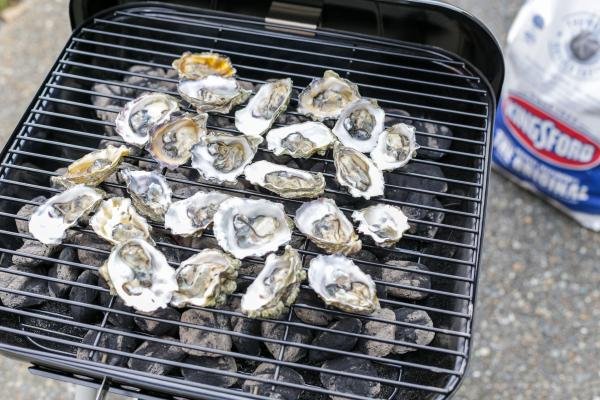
point(315, 137)
point(249, 120)
point(396, 146)
point(178, 217)
point(383, 222)
point(365, 143)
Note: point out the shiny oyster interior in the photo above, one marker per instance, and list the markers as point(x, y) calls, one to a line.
point(325, 98)
point(213, 93)
point(357, 172)
point(360, 124)
point(384, 223)
point(191, 216)
point(149, 191)
point(290, 183)
point(396, 146)
point(116, 221)
point(300, 140)
point(198, 65)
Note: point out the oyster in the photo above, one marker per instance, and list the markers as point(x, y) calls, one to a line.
point(140, 275)
point(290, 183)
point(360, 124)
point(134, 121)
point(171, 141)
point(117, 221)
point(395, 147)
point(325, 98)
point(93, 168)
point(213, 93)
point(50, 221)
point(198, 65)
point(221, 157)
point(327, 227)
point(384, 223)
point(191, 216)
point(149, 191)
point(357, 172)
point(205, 279)
point(300, 140)
point(263, 109)
point(251, 228)
point(275, 287)
point(341, 284)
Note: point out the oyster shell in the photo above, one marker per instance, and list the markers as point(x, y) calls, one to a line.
point(300, 140)
point(50, 221)
point(357, 172)
point(290, 183)
point(263, 109)
point(198, 65)
point(117, 221)
point(140, 275)
point(93, 168)
point(149, 191)
point(360, 124)
point(205, 279)
point(327, 227)
point(251, 228)
point(213, 93)
point(134, 121)
point(341, 284)
point(171, 141)
point(221, 157)
point(395, 147)
point(191, 216)
point(325, 98)
point(275, 287)
point(383, 222)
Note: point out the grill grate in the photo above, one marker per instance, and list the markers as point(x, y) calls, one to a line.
point(62, 125)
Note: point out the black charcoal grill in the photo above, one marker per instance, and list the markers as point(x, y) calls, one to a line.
point(425, 62)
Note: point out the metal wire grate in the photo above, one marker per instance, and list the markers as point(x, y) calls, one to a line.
point(435, 88)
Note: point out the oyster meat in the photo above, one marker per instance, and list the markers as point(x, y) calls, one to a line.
point(191, 216)
point(221, 157)
point(326, 97)
point(357, 172)
point(205, 279)
point(93, 168)
point(287, 182)
point(360, 124)
point(140, 275)
point(327, 227)
point(117, 221)
point(136, 119)
point(198, 65)
point(383, 222)
point(50, 221)
point(251, 228)
point(396, 146)
point(213, 93)
point(275, 287)
point(263, 109)
point(149, 191)
point(341, 284)
point(300, 140)
point(171, 141)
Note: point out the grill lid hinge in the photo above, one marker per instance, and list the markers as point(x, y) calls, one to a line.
point(289, 16)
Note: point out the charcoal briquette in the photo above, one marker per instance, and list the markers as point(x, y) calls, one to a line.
point(347, 384)
point(111, 341)
point(308, 315)
point(161, 351)
point(86, 296)
point(158, 328)
point(412, 335)
point(246, 326)
point(225, 363)
point(23, 283)
point(204, 338)
point(271, 389)
point(295, 334)
point(149, 79)
point(420, 182)
point(433, 141)
point(35, 249)
point(423, 216)
point(408, 278)
point(63, 272)
point(378, 330)
point(336, 341)
point(108, 101)
point(97, 255)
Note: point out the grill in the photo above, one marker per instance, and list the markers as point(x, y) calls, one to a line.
point(435, 87)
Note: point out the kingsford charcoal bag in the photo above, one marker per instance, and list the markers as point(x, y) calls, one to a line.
point(547, 134)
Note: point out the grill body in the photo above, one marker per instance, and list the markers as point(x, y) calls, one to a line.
point(434, 86)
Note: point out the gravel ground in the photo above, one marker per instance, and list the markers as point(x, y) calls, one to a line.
point(539, 299)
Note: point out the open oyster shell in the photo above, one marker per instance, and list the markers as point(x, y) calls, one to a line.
point(198, 65)
point(264, 107)
point(275, 287)
point(213, 93)
point(287, 182)
point(171, 141)
point(117, 221)
point(140, 275)
point(134, 121)
point(327, 227)
point(221, 157)
point(383, 222)
point(325, 98)
point(360, 124)
point(93, 168)
point(300, 140)
point(149, 191)
point(357, 172)
point(191, 216)
point(396, 146)
point(341, 284)
point(251, 228)
point(205, 279)
point(50, 221)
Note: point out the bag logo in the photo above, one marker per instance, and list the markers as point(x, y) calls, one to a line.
point(547, 137)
